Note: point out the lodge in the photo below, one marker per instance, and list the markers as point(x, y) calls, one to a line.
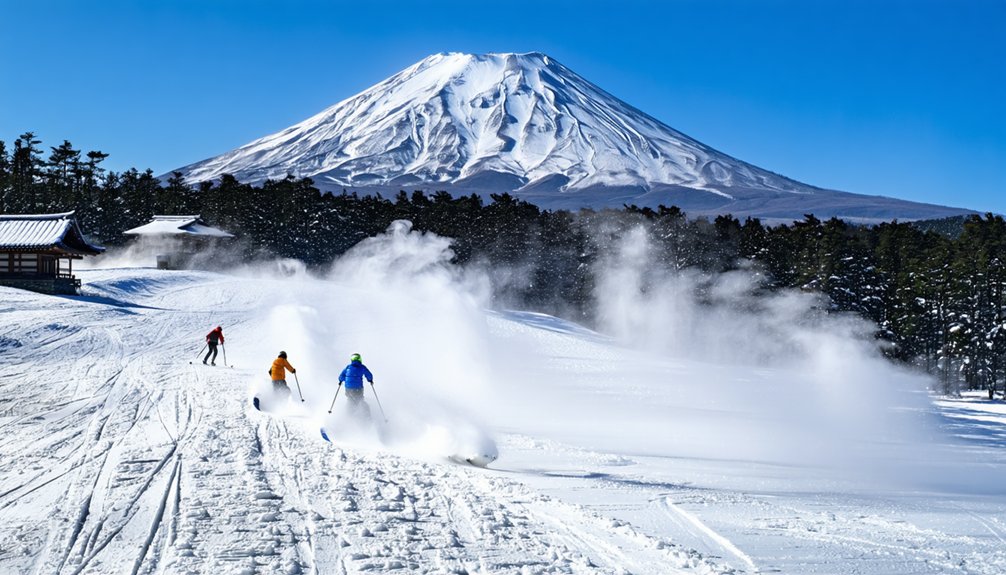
point(179, 239)
point(37, 252)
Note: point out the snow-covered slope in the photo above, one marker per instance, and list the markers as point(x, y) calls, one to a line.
point(119, 456)
point(526, 124)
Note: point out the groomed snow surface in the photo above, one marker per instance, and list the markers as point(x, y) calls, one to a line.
point(118, 455)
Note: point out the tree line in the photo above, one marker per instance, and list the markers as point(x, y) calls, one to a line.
point(938, 300)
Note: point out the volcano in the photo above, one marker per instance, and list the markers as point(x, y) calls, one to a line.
point(525, 124)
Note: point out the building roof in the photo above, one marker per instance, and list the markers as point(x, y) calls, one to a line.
point(178, 225)
point(45, 232)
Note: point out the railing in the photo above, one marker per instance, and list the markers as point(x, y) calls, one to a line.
point(49, 284)
point(36, 275)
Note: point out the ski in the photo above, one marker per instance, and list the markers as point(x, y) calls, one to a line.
point(482, 461)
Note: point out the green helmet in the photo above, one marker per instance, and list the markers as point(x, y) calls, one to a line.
point(354, 357)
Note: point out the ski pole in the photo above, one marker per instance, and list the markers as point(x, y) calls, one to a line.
point(334, 398)
point(224, 347)
point(200, 354)
point(378, 402)
point(295, 378)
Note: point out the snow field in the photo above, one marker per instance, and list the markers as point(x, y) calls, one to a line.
point(155, 465)
point(118, 455)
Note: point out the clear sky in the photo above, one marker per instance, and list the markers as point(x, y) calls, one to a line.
point(898, 98)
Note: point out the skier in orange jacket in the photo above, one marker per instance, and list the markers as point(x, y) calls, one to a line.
point(278, 374)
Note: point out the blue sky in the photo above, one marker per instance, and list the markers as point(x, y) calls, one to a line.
point(898, 98)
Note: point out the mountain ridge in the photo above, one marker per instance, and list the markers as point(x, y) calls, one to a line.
point(527, 125)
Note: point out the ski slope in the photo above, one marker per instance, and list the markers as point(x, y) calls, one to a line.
point(119, 456)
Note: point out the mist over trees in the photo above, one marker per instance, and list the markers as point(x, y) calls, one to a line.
point(938, 300)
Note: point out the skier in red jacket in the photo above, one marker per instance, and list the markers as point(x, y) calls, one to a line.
point(212, 339)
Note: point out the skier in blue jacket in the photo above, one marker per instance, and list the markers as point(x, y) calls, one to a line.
point(353, 376)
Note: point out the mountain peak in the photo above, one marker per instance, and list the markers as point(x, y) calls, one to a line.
point(524, 56)
point(520, 123)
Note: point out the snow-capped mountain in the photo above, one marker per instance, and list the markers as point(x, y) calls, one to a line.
point(526, 124)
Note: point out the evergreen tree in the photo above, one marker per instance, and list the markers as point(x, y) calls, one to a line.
point(5, 178)
point(138, 192)
point(61, 193)
point(25, 174)
point(91, 187)
point(105, 216)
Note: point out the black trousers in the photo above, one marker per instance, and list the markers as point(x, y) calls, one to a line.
point(213, 350)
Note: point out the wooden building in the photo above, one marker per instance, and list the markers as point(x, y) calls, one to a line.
point(179, 239)
point(37, 252)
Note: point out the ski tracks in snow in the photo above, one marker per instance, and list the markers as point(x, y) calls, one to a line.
point(117, 456)
point(351, 512)
point(702, 530)
point(98, 452)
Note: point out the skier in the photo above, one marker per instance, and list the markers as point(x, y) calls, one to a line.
point(353, 376)
point(213, 338)
point(278, 374)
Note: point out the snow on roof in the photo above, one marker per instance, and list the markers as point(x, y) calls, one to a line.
point(178, 225)
point(32, 232)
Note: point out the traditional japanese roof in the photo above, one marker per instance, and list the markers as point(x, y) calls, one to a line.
point(178, 225)
point(44, 232)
